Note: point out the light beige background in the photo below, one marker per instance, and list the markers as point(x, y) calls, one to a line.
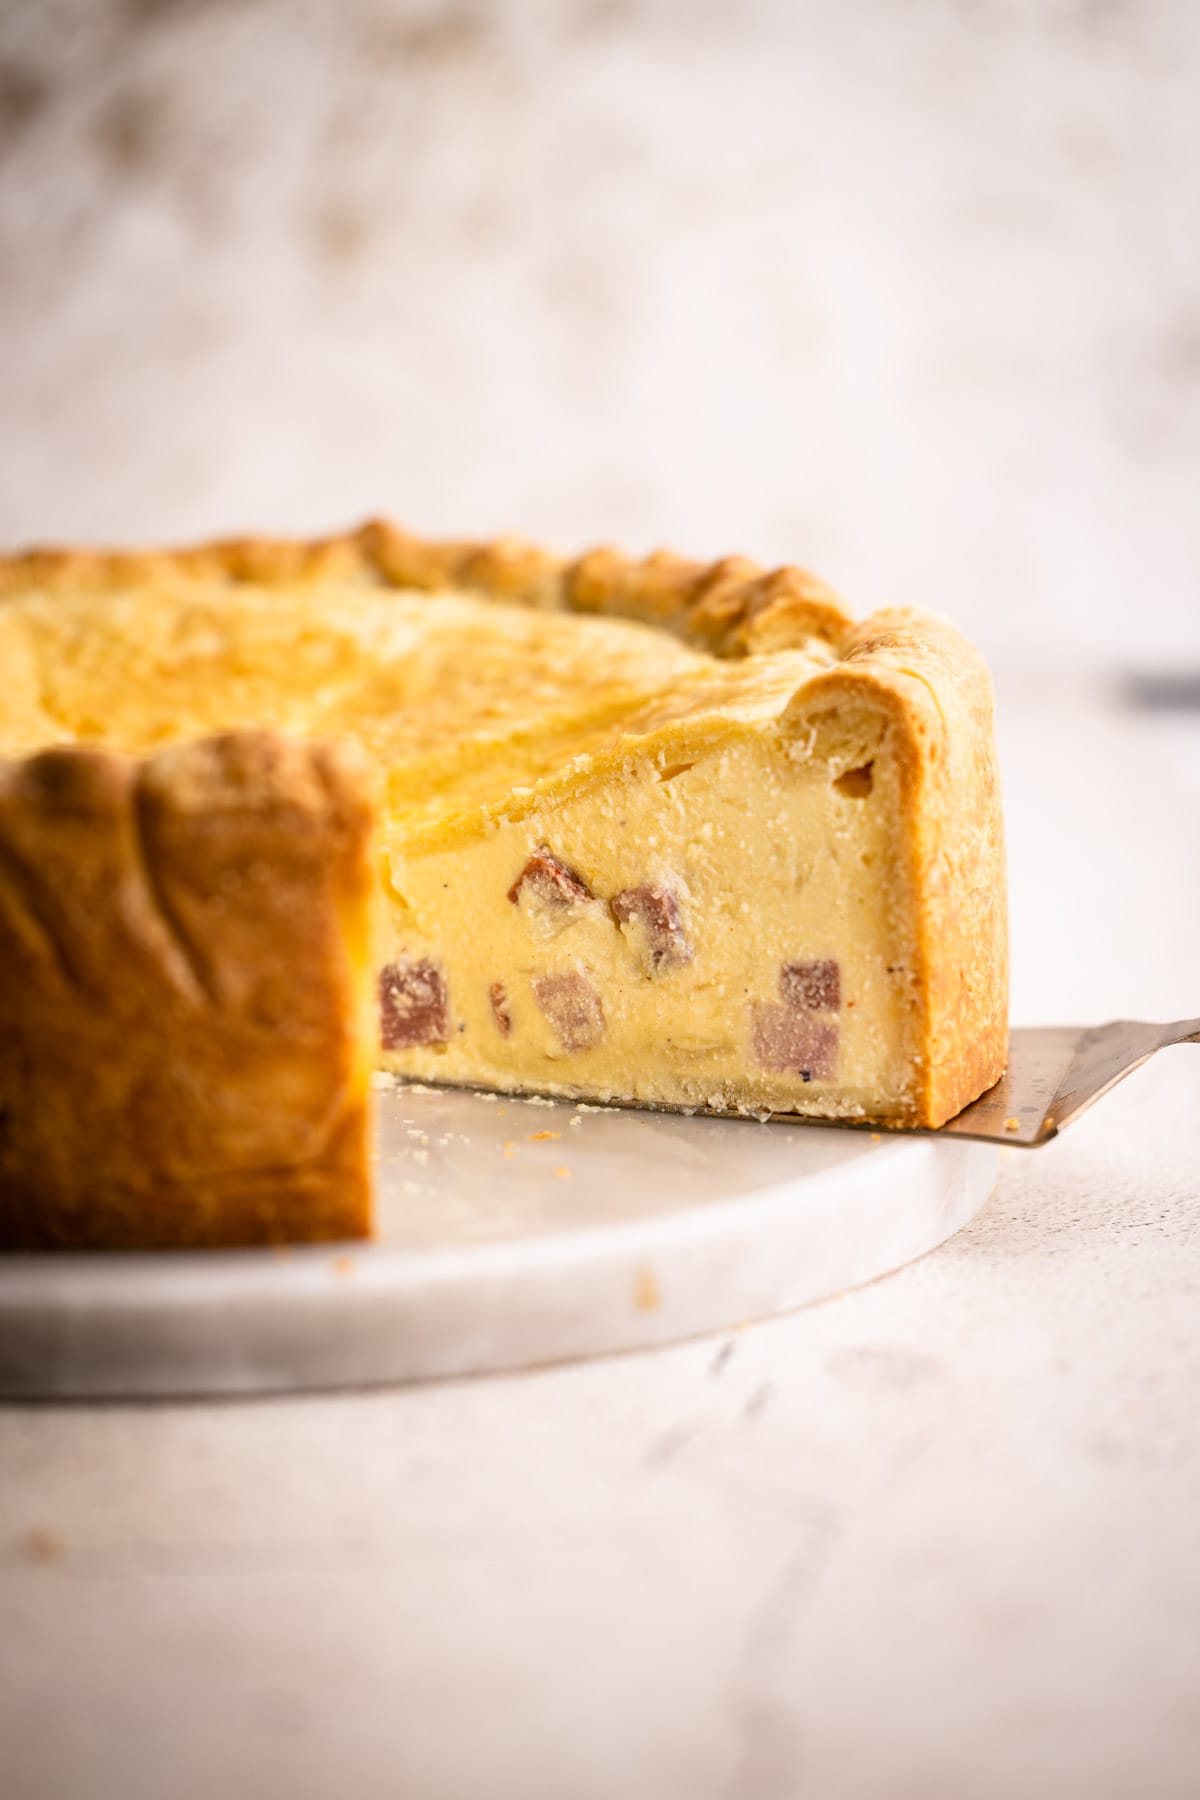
point(911, 292)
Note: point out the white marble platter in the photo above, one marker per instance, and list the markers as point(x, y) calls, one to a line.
point(512, 1232)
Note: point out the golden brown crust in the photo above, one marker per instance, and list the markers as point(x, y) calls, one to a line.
point(183, 1012)
point(728, 608)
point(935, 688)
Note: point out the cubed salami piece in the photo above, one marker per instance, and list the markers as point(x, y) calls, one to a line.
point(414, 1006)
point(573, 1007)
point(811, 986)
point(547, 879)
point(791, 1042)
point(651, 916)
point(498, 995)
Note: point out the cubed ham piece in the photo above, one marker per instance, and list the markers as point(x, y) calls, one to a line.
point(572, 1005)
point(498, 995)
point(788, 1037)
point(651, 918)
point(414, 1006)
point(795, 1043)
point(546, 879)
point(811, 986)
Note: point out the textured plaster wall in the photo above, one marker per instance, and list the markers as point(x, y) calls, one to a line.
point(911, 292)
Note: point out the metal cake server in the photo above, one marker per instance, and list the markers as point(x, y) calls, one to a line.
point(1055, 1072)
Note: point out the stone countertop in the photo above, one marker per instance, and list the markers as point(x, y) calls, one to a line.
point(937, 1537)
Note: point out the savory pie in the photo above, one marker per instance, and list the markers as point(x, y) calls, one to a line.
point(275, 814)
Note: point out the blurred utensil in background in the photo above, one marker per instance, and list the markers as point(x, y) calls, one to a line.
point(1163, 690)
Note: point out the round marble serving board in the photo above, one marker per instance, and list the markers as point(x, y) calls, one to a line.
point(511, 1232)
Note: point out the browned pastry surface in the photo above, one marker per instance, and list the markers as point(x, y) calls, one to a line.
point(184, 1012)
point(729, 607)
point(940, 696)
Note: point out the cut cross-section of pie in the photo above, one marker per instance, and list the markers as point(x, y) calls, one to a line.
point(647, 832)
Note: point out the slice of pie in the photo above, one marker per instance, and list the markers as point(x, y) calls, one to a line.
point(272, 814)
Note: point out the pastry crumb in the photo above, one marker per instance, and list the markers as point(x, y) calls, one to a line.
point(543, 1137)
point(1012, 1124)
point(647, 1295)
point(42, 1545)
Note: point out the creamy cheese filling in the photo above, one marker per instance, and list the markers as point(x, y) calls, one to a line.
point(712, 924)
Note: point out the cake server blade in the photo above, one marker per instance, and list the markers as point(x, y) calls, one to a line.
point(1055, 1072)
